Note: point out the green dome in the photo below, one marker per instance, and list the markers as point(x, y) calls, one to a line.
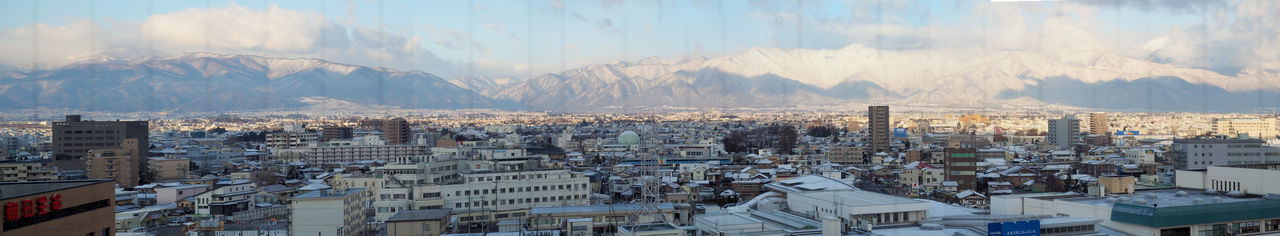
point(629, 137)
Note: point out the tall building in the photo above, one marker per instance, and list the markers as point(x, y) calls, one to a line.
point(878, 122)
point(1098, 123)
point(962, 167)
point(120, 164)
point(1063, 132)
point(73, 138)
point(396, 131)
point(336, 133)
point(1255, 128)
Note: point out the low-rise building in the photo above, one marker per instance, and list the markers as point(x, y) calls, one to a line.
point(71, 207)
point(431, 222)
point(330, 212)
point(23, 171)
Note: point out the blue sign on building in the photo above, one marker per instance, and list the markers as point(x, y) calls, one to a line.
point(900, 132)
point(1127, 132)
point(1014, 228)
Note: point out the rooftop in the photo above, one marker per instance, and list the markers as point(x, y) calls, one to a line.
point(620, 208)
point(323, 194)
point(1162, 198)
point(420, 215)
point(18, 189)
point(809, 183)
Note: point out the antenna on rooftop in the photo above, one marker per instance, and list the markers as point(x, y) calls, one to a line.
point(651, 160)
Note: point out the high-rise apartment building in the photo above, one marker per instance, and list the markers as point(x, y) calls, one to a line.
point(73, 138)
point(120, 164)
point(1099, 124)
point(1063, 132)
point(1255, 128)
point(396, 131)
point(878, 123)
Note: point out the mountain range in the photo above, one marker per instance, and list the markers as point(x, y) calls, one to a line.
point(755, 78)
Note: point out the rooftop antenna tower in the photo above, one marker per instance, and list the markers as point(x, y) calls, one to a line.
point(651, 160)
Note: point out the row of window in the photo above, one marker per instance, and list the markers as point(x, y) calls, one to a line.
point(88, 131)
point(518, 189)
point(518, 201)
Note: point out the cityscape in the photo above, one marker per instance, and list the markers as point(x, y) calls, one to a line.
point(640, 118)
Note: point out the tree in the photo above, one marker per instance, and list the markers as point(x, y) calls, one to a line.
point(821, 131)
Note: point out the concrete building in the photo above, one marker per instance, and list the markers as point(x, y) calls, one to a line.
point(432, 222)
point(396, 131)
point(173, 193)
point(1254, 128)
point(330, 212)
point(962, 167)
point(74, 207)
point(1063, 133)
point(291, 140)
point(880, 132)
point(73, 138)
point(23, 171)
point(487, 196)
point(1199, 153)
point(1157, 212)
point(336, 133)
point(846, 154)
point(347, 154)
point(120, 164)
point(165, 169)
point(1248, 179)
point(603, 217)
point(226, 198)
point(857, 207)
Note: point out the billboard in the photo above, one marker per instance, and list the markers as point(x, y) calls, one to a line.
point(1014, 228)
point(1126, 132)
point(900, 132)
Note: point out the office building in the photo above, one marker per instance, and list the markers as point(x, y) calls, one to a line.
point(23, 171)
point(1064, 132)
point(336, 133)
point(73, 207)
point(962, 167)
point(396, 131)
point(73, 138)
point(1254, 128)
point(120, 164)
point(878, 123)
point(1198, 153)
point(338, 211)
point(486, 196)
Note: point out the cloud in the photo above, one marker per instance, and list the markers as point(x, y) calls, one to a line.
point(606, 25)
point(557, 5)
point(502, 30)
point(575, 15)
point(611, 4)
point(1249, 40)
point(233, 29)
point(1173, 6)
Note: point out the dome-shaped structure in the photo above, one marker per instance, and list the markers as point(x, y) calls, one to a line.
point(629, 138)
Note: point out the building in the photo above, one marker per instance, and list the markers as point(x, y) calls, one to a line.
point(1101, 126)
point(962, 167)
point(71, 207)
point(73, 138)
point(336, 133)
point(396, 131)
point(603, 217)
point(845, 154)
point(1064, 132)
point(1198, 153)
point(431, 222)
point(1157, 212)
point(1248, 179)
point(335, 211)
point(488, 196)
point(165, 169)
point(120, 164)
point(1254, 128)
point(23, 171)
point(291, 140)
point(878, 122)
point(858, 207)
point(349, 154)
point(226, 198)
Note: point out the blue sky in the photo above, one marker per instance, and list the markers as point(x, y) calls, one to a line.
point(516, 38)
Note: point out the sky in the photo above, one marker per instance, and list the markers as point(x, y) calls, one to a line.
point(520, 38)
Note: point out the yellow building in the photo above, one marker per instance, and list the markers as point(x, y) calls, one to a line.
point(118, 164)
point(163, 168)
point(23, 171)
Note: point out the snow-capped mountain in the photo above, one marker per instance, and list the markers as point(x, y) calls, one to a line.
point(762, 77)
point(216, 82)
point(484, 85)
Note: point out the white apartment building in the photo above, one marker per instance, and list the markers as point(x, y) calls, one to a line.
point(347, 154)
point(496, 196)
point(318, 212)
point(291, 140)
point(1255, 128)
point(1196, 154)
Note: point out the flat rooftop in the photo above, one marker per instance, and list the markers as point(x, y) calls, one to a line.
point(323, 194)
point(1162, 198)
point(420, 215)
point(18, 189)
point(856, 198)
point(617, 208)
